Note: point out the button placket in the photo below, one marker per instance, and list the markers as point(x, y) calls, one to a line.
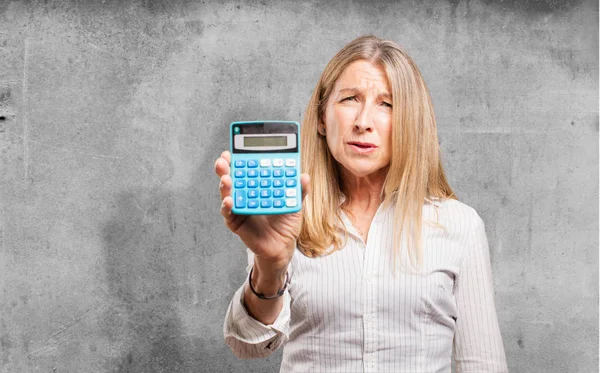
point(370, 296)
point(369, 315)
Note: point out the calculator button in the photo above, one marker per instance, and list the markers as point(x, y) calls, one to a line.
point(252, 163)
point(240, 184)
point(278, 202)
point(290, 162)
point(252, 183)
point(240, 163)
point(278, 193)
point(289, 173)
point(265, 173)
point(252, 173)
point(240, 198)
point(252, 204)
point(277, 183)
point(277, 173)
point(290, 192)
point(265, 163)
point(240, 173)
point(265, 193)
point(290, 202)
point(265, 183)
point(277, 162)
point(290, 183)
point(253, 193)
point(265, 203)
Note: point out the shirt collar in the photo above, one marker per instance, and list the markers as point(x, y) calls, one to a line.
point(346, 223)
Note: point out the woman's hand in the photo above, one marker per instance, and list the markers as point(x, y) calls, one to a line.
point(272, 238)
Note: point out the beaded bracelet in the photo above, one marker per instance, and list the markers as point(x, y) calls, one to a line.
point(279, 292)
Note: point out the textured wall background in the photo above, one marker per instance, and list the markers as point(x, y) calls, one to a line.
point(113, 254)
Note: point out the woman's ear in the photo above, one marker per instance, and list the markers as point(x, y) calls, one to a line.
point(321, 129)
point(321, 126)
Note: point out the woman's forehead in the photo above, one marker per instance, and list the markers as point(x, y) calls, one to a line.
point(360, 75)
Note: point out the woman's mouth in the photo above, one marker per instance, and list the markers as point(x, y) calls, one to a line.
point(362, 147)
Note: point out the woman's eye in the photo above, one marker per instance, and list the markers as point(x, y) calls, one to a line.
point(387, 104)
point(350, 98)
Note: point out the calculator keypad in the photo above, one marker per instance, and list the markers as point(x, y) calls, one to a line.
point(265, 183)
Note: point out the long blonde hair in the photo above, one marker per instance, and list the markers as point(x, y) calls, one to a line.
point(415, 171)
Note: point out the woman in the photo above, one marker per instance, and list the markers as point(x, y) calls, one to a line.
point(383, 270)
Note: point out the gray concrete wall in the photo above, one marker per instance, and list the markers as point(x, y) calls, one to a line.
point(113, 254)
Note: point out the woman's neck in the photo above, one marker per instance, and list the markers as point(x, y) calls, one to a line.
point(363, 198)
point(363, 194)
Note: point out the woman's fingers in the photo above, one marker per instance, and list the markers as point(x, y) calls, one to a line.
point(226, 207)
point(222, 167)
point(226, 155)
point(222, 164)
point(225, 186)
point(232, 220)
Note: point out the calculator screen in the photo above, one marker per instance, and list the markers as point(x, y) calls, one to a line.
point(265, 137)
point(265, 141)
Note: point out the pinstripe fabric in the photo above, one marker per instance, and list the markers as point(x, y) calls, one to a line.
point(347, 312)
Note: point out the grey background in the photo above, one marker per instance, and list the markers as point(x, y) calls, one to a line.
point(113, 254)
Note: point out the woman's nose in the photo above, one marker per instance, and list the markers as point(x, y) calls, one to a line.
point(364, 119)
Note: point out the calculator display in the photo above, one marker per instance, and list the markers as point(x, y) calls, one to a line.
point(264, 137)
point(265, 141)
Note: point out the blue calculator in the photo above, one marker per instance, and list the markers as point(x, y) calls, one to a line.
point(265, 167)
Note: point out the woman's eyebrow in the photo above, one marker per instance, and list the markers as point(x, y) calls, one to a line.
point(349, 90)
point(354, 90)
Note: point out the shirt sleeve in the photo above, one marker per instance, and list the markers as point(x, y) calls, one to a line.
point(478, 345)
point(247, 337)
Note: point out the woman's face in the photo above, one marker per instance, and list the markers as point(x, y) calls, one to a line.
point(358, 119)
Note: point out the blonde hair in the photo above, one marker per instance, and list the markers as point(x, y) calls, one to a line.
point(415, 171)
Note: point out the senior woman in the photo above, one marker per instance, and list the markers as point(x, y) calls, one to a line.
point(383, 270)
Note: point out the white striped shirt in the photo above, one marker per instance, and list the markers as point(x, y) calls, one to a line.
point(347, 311)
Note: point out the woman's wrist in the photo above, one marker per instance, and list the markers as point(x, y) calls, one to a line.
point(269, 293)
point(267, 282)
point(270, 268)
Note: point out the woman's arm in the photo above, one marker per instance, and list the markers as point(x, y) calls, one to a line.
point(478, 345)
point(266, 282)
point(250, 320)
point(248, 337)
